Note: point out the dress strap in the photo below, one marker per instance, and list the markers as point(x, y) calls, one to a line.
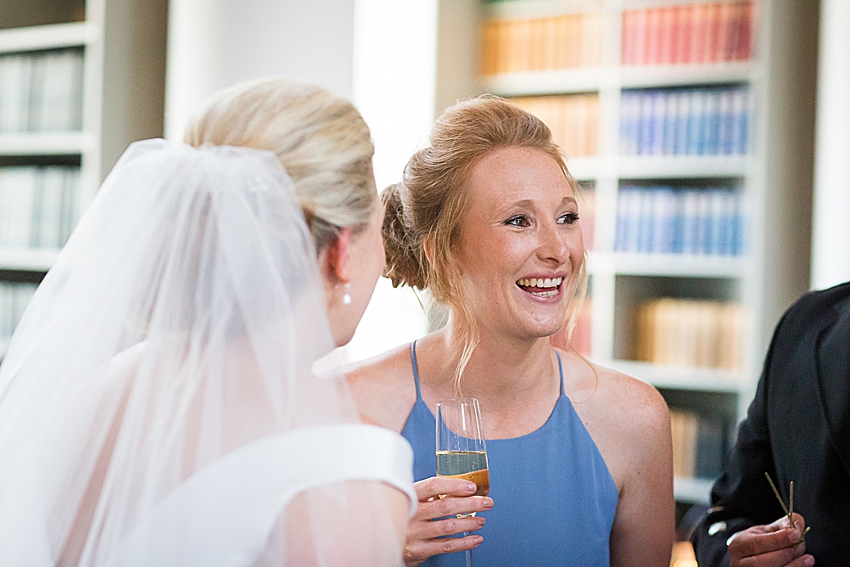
point(415, 369)
point(560, 370)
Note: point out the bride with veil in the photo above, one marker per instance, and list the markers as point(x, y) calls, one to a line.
point(157, 405)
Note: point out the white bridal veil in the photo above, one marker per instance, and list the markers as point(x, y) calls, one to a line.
point(156, 403)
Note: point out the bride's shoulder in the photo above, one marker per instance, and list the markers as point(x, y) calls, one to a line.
point(383, 387)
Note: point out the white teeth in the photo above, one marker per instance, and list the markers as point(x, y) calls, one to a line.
point(540, 282)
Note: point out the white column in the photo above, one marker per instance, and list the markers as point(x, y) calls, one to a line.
point(395, 57)
point(213, 44)
point(831, 214)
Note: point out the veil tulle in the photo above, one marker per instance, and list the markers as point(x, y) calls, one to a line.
point(156, 403)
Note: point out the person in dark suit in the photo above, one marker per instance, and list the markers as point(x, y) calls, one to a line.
point(797, 429)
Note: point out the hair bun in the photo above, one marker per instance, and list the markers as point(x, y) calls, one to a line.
point(405, 258)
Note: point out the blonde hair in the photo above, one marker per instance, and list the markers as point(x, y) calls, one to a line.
point(320, 138)
point(425, 210)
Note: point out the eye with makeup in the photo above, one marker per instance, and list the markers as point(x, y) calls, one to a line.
point(519, 221)
point(568, 218)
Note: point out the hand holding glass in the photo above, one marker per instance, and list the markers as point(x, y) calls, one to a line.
point(461, 452)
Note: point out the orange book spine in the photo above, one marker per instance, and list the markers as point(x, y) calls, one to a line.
point(549, 33)
point(629, 38)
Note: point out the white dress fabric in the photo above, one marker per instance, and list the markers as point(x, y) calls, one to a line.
point(157, 405)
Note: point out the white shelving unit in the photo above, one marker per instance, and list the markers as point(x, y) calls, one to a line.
point(123, 85)
point(774, 177)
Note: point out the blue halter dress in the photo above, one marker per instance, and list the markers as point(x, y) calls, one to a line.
point(554, 498)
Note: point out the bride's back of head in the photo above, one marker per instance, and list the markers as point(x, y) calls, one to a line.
point(321, 139)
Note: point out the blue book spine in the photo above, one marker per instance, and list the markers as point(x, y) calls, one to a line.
point(727, 121)
point(671, 115)
point(701, 110)
point(683, 101)
point(712, 112)
point(622, 219)
point(644, 220)
point(645, 123)
point(659, 111)
point(690, 221)
point(692, 139)
point(743, 121)
point(677, 223)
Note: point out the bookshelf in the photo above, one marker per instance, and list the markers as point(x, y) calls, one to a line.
point(79, 81)
point(742, 67)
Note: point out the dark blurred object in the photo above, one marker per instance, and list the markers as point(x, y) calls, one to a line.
point(26, 13)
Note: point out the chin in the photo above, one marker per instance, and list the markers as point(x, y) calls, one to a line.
point(342, 336)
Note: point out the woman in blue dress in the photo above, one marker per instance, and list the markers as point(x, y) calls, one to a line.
point(487, 220)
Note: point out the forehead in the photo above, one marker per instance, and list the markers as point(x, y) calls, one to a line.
point(518, 174)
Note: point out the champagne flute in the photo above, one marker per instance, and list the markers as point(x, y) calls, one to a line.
point(461, 452)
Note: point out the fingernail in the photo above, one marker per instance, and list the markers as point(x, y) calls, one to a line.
point(477, 539)
point(470, 487)
point(794, 535)
point(480, 521)
point(488, 502)
point(809, 561)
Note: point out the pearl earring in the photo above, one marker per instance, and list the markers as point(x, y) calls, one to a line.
point(346, 299)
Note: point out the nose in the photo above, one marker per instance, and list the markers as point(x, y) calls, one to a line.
point(556, 242)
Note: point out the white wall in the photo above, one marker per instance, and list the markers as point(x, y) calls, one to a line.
point(831, 214)
point(395, 50)
point(213, 44)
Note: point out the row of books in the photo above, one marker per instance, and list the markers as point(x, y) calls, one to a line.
point(14, 298)
point(701, 443)
point(685, 121)
point(41, 91)
point(690, 333)
point(688, 33)
point(573, 120)
point(39, 206)
point(559, 42)
point(667, 220)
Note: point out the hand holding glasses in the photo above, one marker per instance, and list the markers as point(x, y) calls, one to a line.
point(461, 452)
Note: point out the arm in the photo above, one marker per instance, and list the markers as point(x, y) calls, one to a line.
point(354, 523)
point(742, 500)
point(644, 525)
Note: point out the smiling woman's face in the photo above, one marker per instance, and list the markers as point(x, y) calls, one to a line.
point(521, 249)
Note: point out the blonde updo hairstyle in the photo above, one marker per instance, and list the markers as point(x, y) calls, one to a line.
point(320, 138)
point(425, 210)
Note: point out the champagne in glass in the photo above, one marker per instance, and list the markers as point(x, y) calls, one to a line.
point(461, 452)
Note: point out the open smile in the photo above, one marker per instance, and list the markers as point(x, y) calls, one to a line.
point(543, 288)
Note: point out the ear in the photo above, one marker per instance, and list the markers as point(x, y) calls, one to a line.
point(336, 260)
point(426, 246)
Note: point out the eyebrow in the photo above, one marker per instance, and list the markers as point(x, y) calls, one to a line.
point(529, 202)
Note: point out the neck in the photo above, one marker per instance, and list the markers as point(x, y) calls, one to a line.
point(501, 367)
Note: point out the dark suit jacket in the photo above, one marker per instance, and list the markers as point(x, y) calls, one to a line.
point(797, 428)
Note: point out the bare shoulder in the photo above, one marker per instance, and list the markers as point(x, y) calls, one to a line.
point(628, 420)
point(625, 399)
point(383, 387)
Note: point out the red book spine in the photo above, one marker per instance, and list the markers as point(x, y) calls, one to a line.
point(667, 35)
point(653, 37)
point(712, 23)
point(680, 38)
